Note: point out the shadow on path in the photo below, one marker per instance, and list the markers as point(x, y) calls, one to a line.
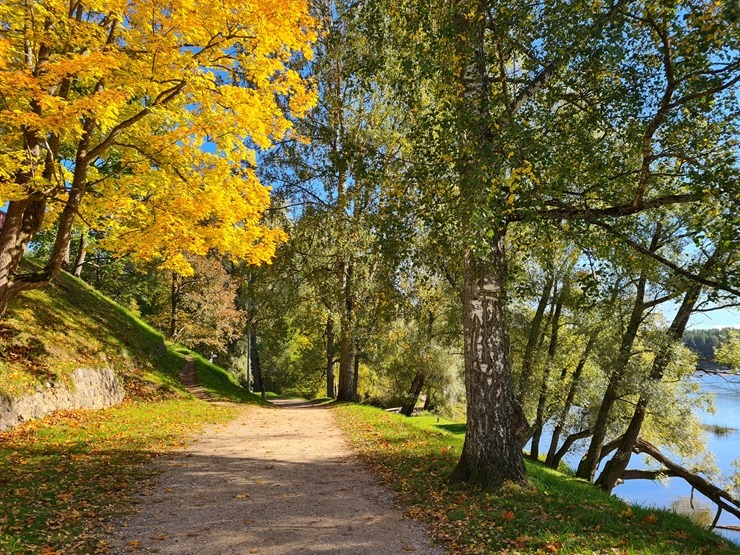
point(270, 482)
point(303, 404)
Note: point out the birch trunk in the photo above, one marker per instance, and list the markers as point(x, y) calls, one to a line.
point(330, 356)
point(347, 386)
point(492, 452)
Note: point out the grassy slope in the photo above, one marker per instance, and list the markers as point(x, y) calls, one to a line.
point(555, 513)
point(50, 332)
point(63, 476)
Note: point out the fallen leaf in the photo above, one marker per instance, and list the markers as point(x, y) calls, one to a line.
point(248, 522)
point(409, 548)
point(242, 496)
point(681, 535)
point(627, 513)
point(650, 519)
point(508, 516)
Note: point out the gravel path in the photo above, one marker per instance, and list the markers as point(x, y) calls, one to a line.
point(273, 482)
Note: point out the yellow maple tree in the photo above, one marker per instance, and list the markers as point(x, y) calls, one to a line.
point(143, 117)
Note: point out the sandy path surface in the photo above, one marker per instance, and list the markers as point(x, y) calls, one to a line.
point(272, 482)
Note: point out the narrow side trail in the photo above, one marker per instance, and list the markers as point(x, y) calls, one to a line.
point(271, 481)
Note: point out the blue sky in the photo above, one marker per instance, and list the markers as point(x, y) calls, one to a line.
point(717, 319)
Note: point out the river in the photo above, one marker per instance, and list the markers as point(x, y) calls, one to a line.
point(675, 493)
point(724, 446)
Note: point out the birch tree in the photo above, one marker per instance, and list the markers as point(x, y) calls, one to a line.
point(585, 113)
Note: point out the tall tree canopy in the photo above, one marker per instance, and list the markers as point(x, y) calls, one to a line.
point(561, 114)
point(144, 118)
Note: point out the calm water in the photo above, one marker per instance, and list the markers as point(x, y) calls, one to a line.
point(726, 449)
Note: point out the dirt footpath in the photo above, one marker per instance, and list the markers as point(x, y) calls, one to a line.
point(272, 481)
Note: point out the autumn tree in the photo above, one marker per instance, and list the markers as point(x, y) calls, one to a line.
point(728, 352)
point(145, 119)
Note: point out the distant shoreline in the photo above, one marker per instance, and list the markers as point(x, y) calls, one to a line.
point(714, 369)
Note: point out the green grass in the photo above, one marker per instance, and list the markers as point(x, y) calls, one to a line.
point(50, 332)
point(554, 513)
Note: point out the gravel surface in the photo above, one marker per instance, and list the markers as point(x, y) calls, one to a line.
point(272, 482)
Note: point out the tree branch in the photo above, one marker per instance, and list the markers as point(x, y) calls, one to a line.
point(672, 265)
point(164, 97)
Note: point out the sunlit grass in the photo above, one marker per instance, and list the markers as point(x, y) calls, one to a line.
point(63, 476)
point(554, 513)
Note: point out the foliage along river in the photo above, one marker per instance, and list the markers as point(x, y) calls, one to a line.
point(725, 446)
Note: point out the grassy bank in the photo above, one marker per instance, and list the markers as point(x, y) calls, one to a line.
point(555, 513)
point(49, 332)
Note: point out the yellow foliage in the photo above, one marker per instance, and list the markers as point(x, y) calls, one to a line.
point(168, 98)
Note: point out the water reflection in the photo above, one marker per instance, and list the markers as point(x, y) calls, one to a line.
point(701, 513)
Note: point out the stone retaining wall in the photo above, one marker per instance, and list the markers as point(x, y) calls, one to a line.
point(93, 388)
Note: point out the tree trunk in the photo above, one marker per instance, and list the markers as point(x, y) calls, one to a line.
point(492, 452)
point(81, 254)
point(539, 422)
point(567, 444)
point(174, 300)
point(413, 395)
point(428, 400)
point(24, 218)
point(254, 360)
point(356, 376)
point(590, 462)
point(616, 466)
point(722, 498)
point(330, 356)
point(533, 338)
point(67, 255)
point(574, 385)
point(347, 387)
point(22, 221)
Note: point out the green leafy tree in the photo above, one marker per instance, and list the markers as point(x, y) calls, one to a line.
point(581, 113)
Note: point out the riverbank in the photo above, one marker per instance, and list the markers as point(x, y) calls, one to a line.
point(554, 513)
